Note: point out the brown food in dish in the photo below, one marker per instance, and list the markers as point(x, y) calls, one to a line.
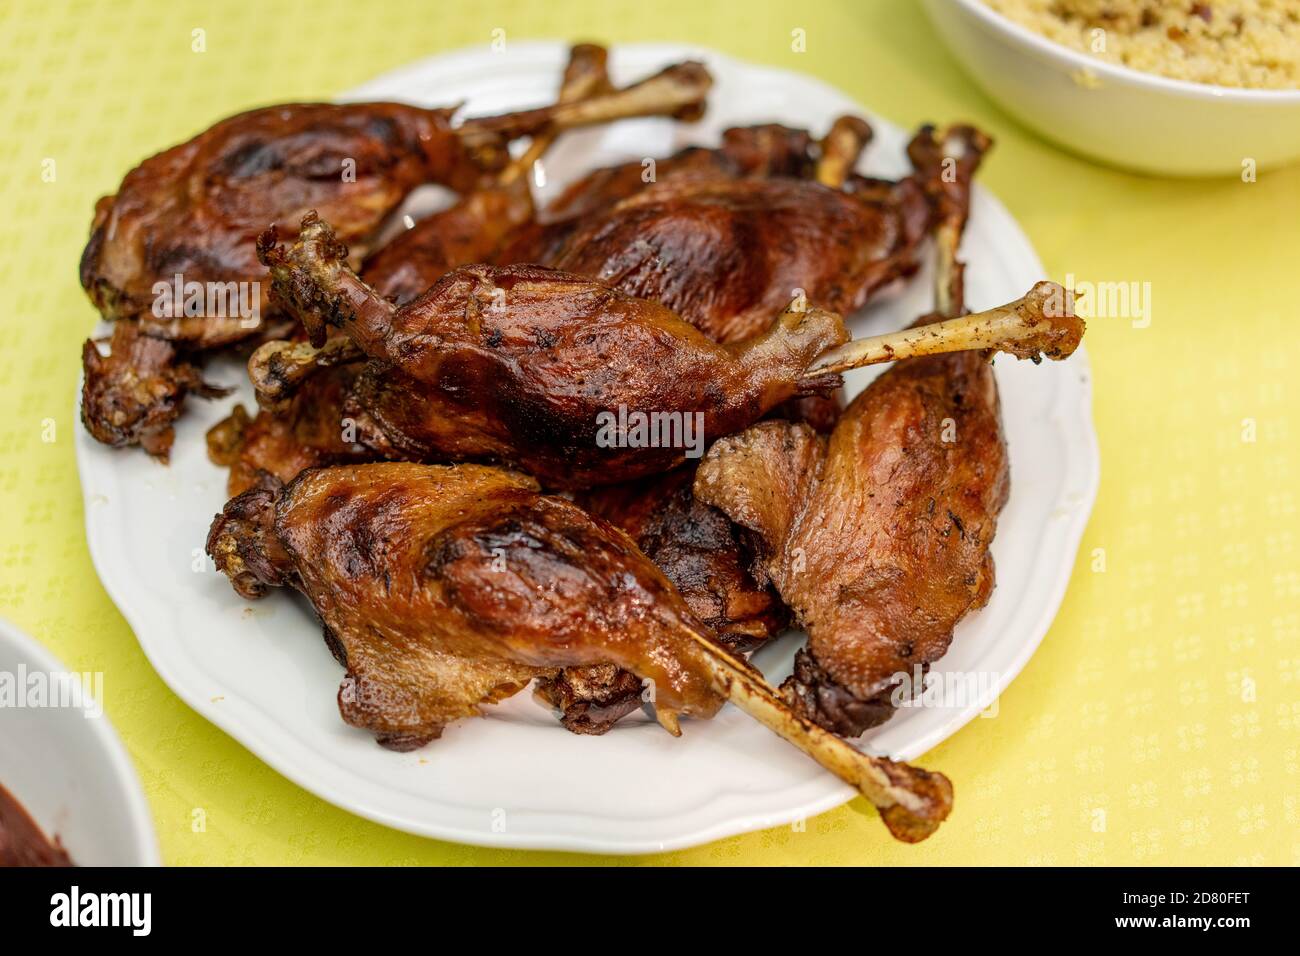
point(519, 363)
point(195, 210)
point(474, 229)
point(21, 841)
point(429, 581)
point(878, 537)
point(307, 432)
point(727, 252)
point(442, 588)
point(699, 551)
point(764, 150)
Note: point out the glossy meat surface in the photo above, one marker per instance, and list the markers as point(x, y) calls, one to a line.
point(527, 365)
point(764, 150)
point(699, 550)
point(197, 209)
point(878, 538)
point(442, 588)
point(727, 254)
point(702, 555)
point(470, 231)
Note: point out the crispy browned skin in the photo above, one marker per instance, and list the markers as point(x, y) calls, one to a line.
point(764, 150)
point(518, 364)
point(878, 537)
point(590, 700)
point(468, 232)
point(726, 254)
point(197, 208)
point(308, 432)
point(725, 250)
point(133, 395)
point(700, 552)
point(444, 587)
point(745, 152)
point(497, 224)
point(878, 540)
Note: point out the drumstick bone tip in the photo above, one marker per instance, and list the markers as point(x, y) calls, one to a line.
point(1041, 322)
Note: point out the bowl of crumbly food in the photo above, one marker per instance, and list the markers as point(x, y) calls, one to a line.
point(1167, 87)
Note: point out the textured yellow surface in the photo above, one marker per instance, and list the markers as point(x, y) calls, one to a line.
point(1159, 722)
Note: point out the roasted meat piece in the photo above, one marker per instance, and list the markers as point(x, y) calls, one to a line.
point(474, 229)
point(727, 254)
point(699, 551)
point(198, 208)
point(766, 150)
point(878, 537)
point(309, 431)
point(132, 395)
point(442, 588)
point(528, 365)
point(188, 218)
point(727, 251)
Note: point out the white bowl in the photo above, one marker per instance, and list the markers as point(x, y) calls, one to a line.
point(1122, 116)
point(68, 768)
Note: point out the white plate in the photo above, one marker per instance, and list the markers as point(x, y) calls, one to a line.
point(261, 672)
point(66, 765)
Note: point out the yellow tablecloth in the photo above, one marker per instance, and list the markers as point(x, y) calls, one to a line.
point(1159, 722)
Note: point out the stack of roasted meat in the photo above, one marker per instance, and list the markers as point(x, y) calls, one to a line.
point(477, 447)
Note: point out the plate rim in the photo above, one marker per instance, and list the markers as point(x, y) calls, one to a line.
point(1081, 446)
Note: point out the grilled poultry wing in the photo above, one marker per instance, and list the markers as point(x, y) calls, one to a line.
point(444, 588)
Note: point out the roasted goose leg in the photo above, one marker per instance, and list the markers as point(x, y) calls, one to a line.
point(549, 371)
point(307, 429)
point(194, 211)
point(878, 538)
point(535, 367)
point(442, 588)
